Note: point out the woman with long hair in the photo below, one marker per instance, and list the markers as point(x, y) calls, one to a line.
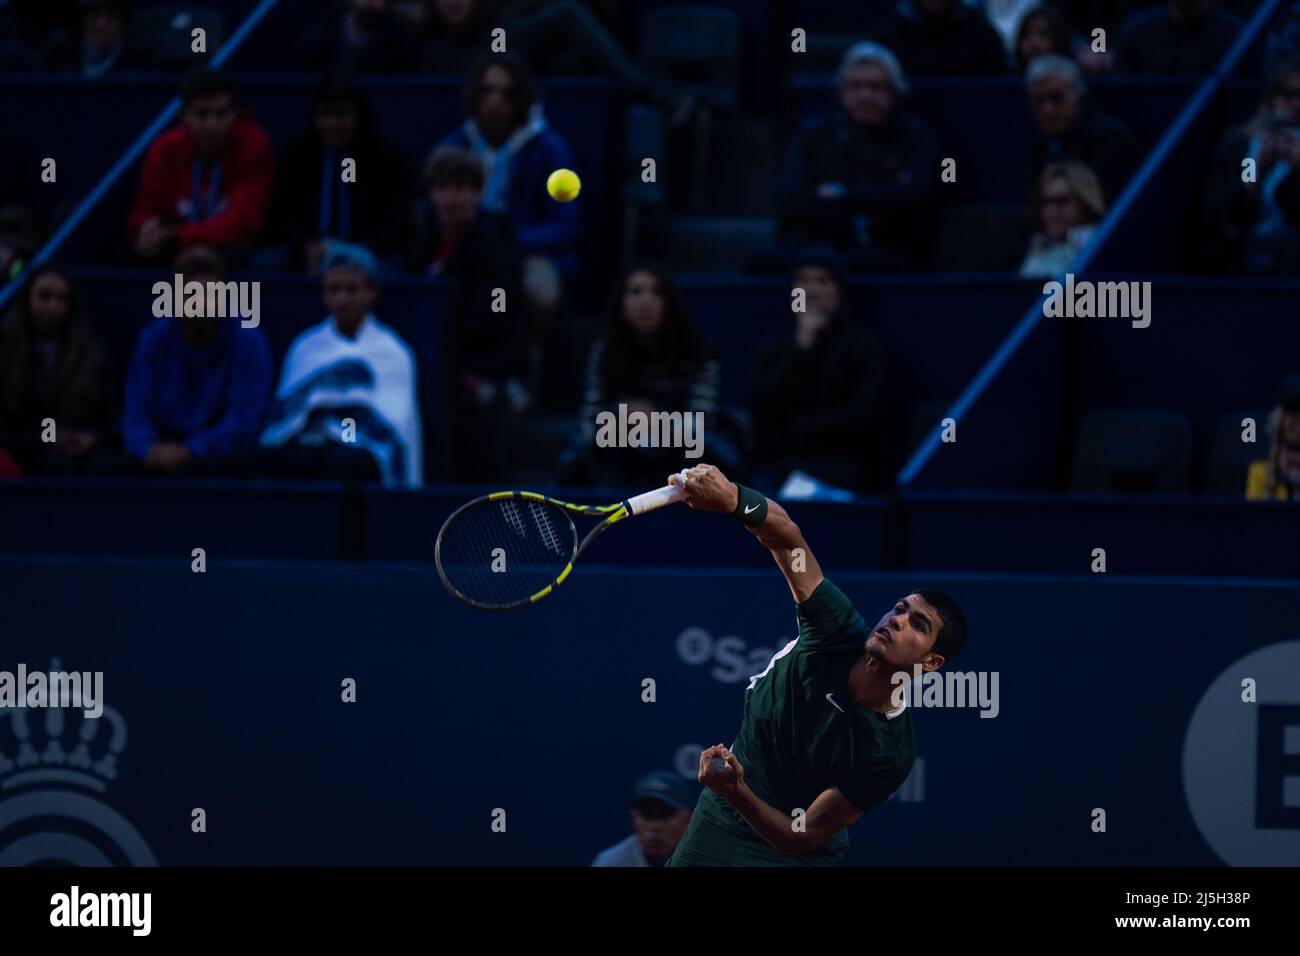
point(1068, 204)
point(651, 358)
point(1042, 30)
point(52, 369)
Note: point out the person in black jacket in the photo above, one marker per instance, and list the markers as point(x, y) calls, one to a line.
point(1254, 226)
point(1069, 127)
point(1179, 36)
point(318, 196)
point(818, 395)
point(476, 252)
point(55, 411)
point(862, 179)
point(488, 322)
point(942, 38)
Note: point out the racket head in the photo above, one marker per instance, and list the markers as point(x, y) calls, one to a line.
point(506, 550)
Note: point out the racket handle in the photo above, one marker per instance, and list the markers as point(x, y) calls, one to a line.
point(657, 498)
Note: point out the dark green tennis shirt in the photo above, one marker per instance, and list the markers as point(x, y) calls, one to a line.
point(801, 732)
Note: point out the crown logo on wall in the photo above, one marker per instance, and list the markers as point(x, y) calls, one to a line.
point(59, 745)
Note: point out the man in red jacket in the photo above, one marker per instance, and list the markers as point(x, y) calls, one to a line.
point(205, 181)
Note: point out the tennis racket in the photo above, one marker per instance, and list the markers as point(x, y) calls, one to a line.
point(510, 549)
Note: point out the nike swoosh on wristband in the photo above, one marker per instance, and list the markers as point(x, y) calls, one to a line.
point(750, 510)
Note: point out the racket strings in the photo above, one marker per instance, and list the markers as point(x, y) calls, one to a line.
point(495, 554)
point(511, 512)
point(550, 536)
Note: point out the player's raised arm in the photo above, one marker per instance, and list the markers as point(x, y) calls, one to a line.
point(708, 489)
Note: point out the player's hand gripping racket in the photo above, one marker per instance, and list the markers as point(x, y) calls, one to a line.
point(512, 548)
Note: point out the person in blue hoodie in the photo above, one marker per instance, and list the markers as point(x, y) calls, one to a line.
point(198, 387)
point(508, 131)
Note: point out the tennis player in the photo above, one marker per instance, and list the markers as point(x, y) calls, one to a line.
point(820, 742)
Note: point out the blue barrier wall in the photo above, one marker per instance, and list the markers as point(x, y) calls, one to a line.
point(939, 531)
point(268, 519)
point(229, 687)
point(1141, 535)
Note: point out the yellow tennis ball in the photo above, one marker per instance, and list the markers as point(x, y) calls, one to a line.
point(563, 185)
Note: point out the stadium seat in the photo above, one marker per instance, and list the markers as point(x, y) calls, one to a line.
point(536, 444)
point(695, 49)
point(166, 32)
point(701, 244)
point(822, 58)
point(1229, 455)
point(1133, 450)
point(644, 137)
point(982, 237)
point(744, 170)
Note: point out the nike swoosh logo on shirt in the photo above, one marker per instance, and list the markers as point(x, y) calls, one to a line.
point(749, 510)
point(831, 698)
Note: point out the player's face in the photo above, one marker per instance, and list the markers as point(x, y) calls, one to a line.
point(905, 635)
point(209, 119)
point(336, 122)
point(495, 109)
point(48, 303)
point(820, 288)
point(1036, 40)
point(348, 296)
point(643, 302)
point(455, 204)
point(867, 94)
point(1055, 104)
point(658, 827)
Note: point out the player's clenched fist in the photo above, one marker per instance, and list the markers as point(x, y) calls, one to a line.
point(707, 489)
point(720, 771)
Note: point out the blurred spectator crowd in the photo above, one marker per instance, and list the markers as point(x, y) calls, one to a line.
point(858, 191)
